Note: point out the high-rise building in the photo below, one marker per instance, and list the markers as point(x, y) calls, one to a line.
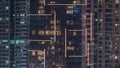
point(4, 34)
point(21, 23)
point(59, 33)
point(60, 36)
point(106, 33)
point(99, 17)
point(13, 33)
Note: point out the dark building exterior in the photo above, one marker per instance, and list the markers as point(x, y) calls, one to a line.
point(100, 18)
point(13, 33)
point(59, 33)
point(106, 33)
point(4, 34)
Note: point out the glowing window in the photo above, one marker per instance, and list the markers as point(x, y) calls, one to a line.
point(96, 19)
point(22, 41)
point(74, 2)
point(69, 22)
point(7, 30)
point(22, 14)
point(53, 48)
point(41, 1)
point(51, 21)
point(41, 32)
point(58, 32)
point(117, 12)
point(48, 32)
point(69, 7)
point(71, 48)
point(17, 41)
point(6, 47)
point(33, 53)
point(116, 25)
point(51, 38)
point(7, 19)
point(41, 52)
point(5, 40)
point(0, 19)
point(7, 62)
point(52, 2)
point(39, 58)
point(42, 42)
point(22, 22)
point(12, 42)
point(69, 10)
point(6, 7)
point(33, 32)
point(52, 32)
point(74, 33)
point(41, 10)
point(101, 20)
point(117, 1)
